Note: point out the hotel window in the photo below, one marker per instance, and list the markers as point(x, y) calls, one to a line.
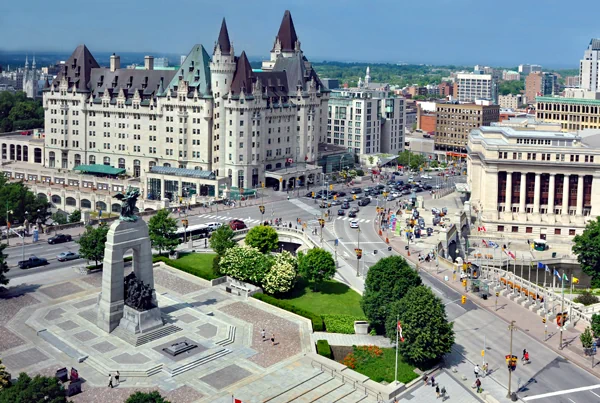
point(572, 232)
point(500, 228)
point(529, 230)
point(515, 229)
point(556, 231)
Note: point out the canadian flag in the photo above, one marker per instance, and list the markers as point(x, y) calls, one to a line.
point(481, 229)
point(400, 332)
point(510, 254)
point(237, 400)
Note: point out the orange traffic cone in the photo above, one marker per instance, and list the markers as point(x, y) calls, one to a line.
point(387, 240)
point(380, 232)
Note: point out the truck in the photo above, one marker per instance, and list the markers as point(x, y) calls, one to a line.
point(33, 261)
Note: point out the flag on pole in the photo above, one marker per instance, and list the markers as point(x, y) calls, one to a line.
point(541, 265)
point(565, 277)
point(557, 274)
point(236, 400)
point(481, 229)
point(510, 254)
point(484, 242)
point(400, 332)
point(575, 280)
point(493, 244)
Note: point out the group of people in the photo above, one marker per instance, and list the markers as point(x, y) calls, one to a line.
point(439, 391)
point(263, 333)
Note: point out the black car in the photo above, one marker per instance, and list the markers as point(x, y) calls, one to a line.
point(352, 214)
point(59, 238)
point(33, 261)
point(309, 194)
point(341, 212)
point(341, 194)
point(380, 186)
point(345, 205)
point(355, 191)
point(364, 201)
point(427, 187)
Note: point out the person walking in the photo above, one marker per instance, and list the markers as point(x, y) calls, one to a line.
point(110, 380)
point(476, 370)
point(478, 385)
point(437, 392)
point(117, 375)
point(432, 381)
point(273, 339)
point(263, 334)
point(425, 380)
point(485, 369)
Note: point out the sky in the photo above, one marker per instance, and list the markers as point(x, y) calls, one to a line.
point(489, 32)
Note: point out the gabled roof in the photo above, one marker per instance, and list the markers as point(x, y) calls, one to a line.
point(77, 69)
point(223, 42)
point(195, 70)
point(242, 79)
point(299, 72)
point(287, 33)
point(129, 80)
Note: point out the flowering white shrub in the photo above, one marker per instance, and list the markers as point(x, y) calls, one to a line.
point(245, 263)
point(280, 278)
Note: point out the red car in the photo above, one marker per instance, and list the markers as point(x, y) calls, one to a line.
point(237, 225)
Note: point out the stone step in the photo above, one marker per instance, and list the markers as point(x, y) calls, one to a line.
point(338, 394)
point(301, 388)
point(321, 392)
point(230, 337)
point(357, 396)
point(137, 341)
point(196, 363)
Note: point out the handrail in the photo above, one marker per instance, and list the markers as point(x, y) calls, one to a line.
point(347, 381)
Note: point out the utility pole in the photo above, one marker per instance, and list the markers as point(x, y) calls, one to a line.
point(358, 247)
point(512, 328)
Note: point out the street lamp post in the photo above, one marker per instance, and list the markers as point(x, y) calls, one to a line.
point(512, 328)
point(358, 247)
point(8, 224)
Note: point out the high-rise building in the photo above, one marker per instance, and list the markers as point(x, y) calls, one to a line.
point(572, 81)
point(366, 121)
point(540, 84)
point(526, 69)
point(455, 121)
point(472, 86)
point(446, 89)
point(216, 116)
point(588, 67)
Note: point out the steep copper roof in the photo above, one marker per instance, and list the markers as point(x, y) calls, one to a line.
point(77, 70)
point(223, 42)
point(242, 79)
point(287, 33)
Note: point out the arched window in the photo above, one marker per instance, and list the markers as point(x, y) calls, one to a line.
point(25, 153)
point(106, 160)
point(100, 205)
point(85, 203)
point(278, 165)
point(151, 164)
point(269, 166)
point(71, 201)
point(166, 164)
point(51, 159)
point(122, 163)
point(56, 199)
point(92, 159)
point(77, 159)
point(136, 168)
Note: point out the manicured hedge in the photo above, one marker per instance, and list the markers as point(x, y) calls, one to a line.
point(317, 321)
point(199, 265)
point(340, 323)
point(324, 349)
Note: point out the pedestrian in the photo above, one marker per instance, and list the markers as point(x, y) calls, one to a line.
point(425, 380)
point(263, 334)
point(476, 370)
point(478, 384)
point(432, 381)
point(110, 380)
point(273, 339)
point(485, 369)
point(117, 375)
point(437, 392)
point(205, 243)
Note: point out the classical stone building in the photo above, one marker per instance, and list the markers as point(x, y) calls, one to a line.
point(534, 184)
point(215, 115)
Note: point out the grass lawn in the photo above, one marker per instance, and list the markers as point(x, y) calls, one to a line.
point(198, 264)
point(332, 298)
point(379, 364)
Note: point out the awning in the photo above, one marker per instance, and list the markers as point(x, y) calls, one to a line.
point(99, 169)
point(386, 160)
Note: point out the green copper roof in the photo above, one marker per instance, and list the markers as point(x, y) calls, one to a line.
point(572, 101)
point(195, 70)
point(99, 169)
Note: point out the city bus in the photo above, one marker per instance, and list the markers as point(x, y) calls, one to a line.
point(195, 231)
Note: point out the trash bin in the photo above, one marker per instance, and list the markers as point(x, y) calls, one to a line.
point(513, 396)
point(553, 254)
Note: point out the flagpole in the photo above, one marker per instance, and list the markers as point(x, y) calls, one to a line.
point(397, 332)
point(562, 308)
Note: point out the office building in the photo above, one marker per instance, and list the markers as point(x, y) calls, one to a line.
point(366, 121)
point(589, 68)
point(455, 121)
point(540, 84)
point(572, 81)
point(510, 101)
point(217, 117)
point(526, 69)
point(472, 86)
point(572, 114)
point(446, 89)
point(534, 184)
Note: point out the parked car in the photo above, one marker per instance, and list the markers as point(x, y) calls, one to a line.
point(59, 238)
point(341, 212)
point(309, 194)
point(355, 191)
point(353, 224)
point(33, 261)
point(237, 225)
point(64, 256)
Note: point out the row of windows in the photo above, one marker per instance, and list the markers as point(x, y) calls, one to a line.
point(503, 155)
point(529, 230)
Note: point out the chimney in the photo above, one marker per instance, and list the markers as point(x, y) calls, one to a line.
point(115, 62)
point(149, 62)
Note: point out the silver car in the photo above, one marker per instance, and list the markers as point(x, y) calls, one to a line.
point(64, 256)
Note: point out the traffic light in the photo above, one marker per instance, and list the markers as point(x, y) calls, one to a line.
point(497, 294)
point(544, 320)
point(463, 299)
point(354, 197)
point(321, 222)
point(330, 187)
point(313, 195)
point(335, 197)
point(358, 253)
point(464, 282)
point(262, 209)
point(262, 184)
point(511, 362)
point(559, 319)
point(184, 222)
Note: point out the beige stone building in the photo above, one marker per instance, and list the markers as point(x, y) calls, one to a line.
point(534, 184)
point(571, 113)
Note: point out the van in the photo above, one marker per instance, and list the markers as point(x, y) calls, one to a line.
point(364, 201)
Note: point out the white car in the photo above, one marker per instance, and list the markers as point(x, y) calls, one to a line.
point(213, 226)
point(425, 177)
point(353, 224)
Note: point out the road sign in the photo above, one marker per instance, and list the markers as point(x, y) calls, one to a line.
point(337, 242)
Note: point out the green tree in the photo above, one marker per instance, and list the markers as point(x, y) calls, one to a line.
point(245, 263)
point(39, 389)
point(511, 87)
point(387, 281)
point(91, 243)
point(427, 333)
point(434, 164)
point(3, 265)
point(161, 229)
point(410, 159)
point(587, 249)
point(586, 338)
point(17, 112)
point(5, 377)
point(17, 198)
point(371, 160)
point(596, 325)
point(222, 239)
point(59, 218)
point(263, 237)
point(75, 216)
point(146, 397)
point(280, 277)
point(316, 265)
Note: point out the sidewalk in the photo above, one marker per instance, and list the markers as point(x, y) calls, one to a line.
point(509, 310)
point(455, 391)
point(339, 339)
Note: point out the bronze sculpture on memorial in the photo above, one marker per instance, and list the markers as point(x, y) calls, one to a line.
point(128, 201)
point(137, 295)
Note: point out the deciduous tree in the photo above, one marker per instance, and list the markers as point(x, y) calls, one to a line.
point(91, 243)
point(5, 377)
point(316, 265)
point(3, 265)
point(427, 333)
point(280, 277)
point(263, 237)
point(387, 281)
point(75, 216)
point(587, 249)
point(161, 229)
point(146, 397)
point(596, 325)
point(222, 239)
point(586, 338)
point(245, 263)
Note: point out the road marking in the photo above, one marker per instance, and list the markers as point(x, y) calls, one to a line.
point(304, 207)
point(595, 394)
point(573, 401)
point(561, 392)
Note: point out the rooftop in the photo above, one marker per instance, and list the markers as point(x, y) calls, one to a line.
point(99, 169)
point(190, 173)
point(510, 132)
point(573, 101)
